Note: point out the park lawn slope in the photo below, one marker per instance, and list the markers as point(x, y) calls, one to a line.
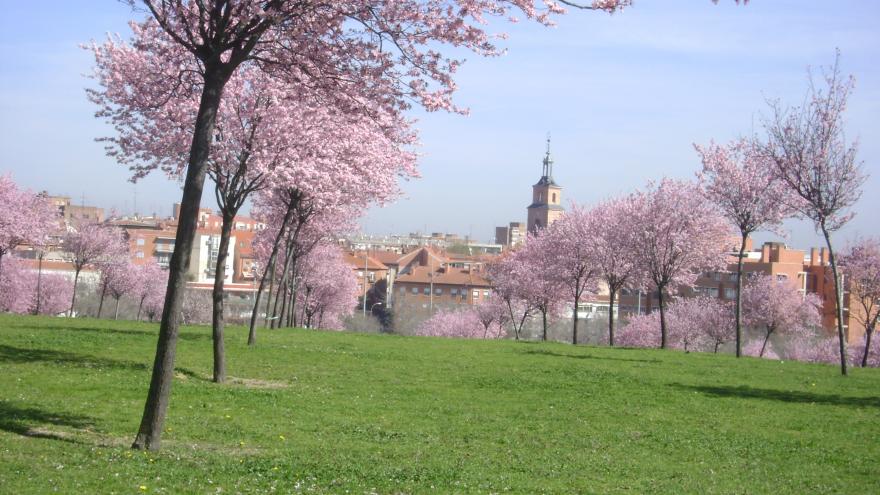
point(328, 412)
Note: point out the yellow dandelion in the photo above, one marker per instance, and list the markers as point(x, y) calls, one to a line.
point(142, 488)
point(281, 437)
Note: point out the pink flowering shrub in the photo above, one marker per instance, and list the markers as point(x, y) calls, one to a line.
point(459, 324)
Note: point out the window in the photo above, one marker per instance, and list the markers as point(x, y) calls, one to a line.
point(427, 291)
point(485, 293)
point(729, 293)
point(415, 290)
point(140, 254)
point(731, 277)
point(781, 277)
point(403, 290)
point(554, 197)
point(438, 291)
point(453, 291)
point(476, 294)
point(140, 241)
point(716, 276)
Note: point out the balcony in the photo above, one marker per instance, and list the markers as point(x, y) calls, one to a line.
point(164, 248)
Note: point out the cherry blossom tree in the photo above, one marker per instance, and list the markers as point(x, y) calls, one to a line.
point(777, 307)
point(700, 321)
point(813, 158)
point(739, 179)
point(149, 284)
point(493, 315)
point(91, 244)
point(52, 294)
point(540, 282)
point(508, 279)
point(611, 250)
point(25, 218)
point(16, 288)
point(680, 236)
point(861, 267)
point(328, 288)
point(640, 331)
point(569, 257)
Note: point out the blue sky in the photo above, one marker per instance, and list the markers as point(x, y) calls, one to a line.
point(624, 97)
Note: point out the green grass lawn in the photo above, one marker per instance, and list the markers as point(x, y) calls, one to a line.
point(325, 412)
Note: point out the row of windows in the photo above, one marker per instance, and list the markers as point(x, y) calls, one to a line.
point(438, 291)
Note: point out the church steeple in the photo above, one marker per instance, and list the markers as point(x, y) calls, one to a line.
point(546, 204)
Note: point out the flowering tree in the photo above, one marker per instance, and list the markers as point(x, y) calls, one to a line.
point(540, 281)
point(52, 294)
point(611, 249)
point(640, 331)
point(268, 133)
point(569, 256)
point(739, 179)
point(680, 237)
point(699, 321)
point(508, 279)
point(90, 244)
point(493, 315)
point(25, 218)
point(150, 280)
point(861, 265)
point(328, 289)
point(16, 288)
point(813, 159)
point(778, 307)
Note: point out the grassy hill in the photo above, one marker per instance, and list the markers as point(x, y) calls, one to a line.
point(319, 412)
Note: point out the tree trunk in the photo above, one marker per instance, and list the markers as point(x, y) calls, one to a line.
point(268, 272)
point(544, 316)
point(73, 299)
point(101, 299)
point(612, 296)
point(513, 320)
point(838, 301)
point(868, 331)
point(284, 294)
point(766, 339)
point(116, 314)
point(282, 284)
point(140, 307)
point(150, 431)
point(739, 287)
point(39, 285)
point(662, 305)
point(217, 298)
point(574, 325)
point(716, 347)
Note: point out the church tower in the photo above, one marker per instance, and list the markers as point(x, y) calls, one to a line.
point(546, 204)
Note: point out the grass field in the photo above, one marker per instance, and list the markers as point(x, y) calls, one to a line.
point(324, 412)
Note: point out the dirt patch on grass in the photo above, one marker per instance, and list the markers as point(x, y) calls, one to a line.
point(256, 383)
point(84, 436)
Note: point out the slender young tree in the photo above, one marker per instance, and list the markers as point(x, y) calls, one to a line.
point(680, 236)
point(813, 158)
point(572, 259)
point(541, 284)
point(861, 267)
point(90, 244)
point(778, 307)
point(611, 249)
point(739, 179)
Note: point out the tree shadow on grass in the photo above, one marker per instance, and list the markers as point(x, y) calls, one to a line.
point(586, 356)
point(28, 420)
point(12, 354)
point(745, 392)
point(121, 331)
